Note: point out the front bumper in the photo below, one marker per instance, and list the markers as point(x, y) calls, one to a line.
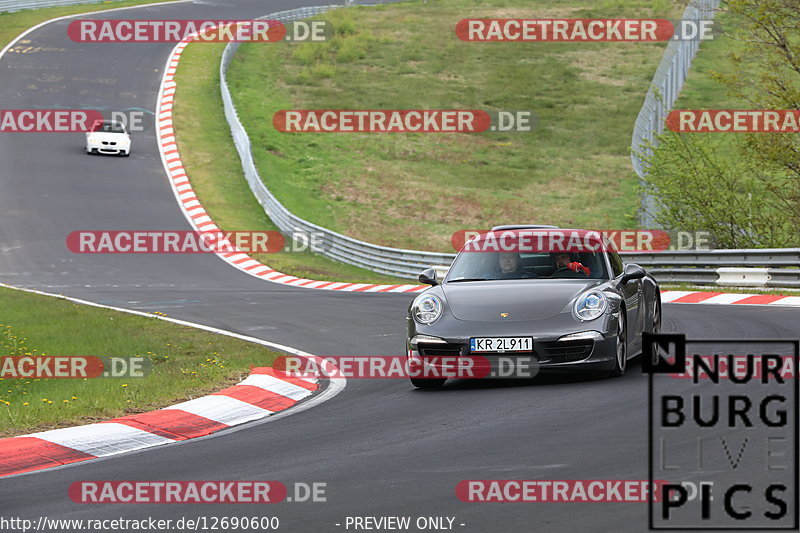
point(551, 350)
point(549, 354)
point(108, 147)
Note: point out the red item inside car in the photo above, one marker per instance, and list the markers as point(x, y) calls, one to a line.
point(578, 266)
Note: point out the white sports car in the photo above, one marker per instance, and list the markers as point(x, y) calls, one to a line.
point(108, 137)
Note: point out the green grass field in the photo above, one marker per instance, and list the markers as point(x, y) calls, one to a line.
point(213, 165)
point(185, 362)
point(415, 190)
point(702, 91)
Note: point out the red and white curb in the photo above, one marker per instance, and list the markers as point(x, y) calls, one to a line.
point(262, 394)
point(201, 221)
point(197, 215)
point(721, 298)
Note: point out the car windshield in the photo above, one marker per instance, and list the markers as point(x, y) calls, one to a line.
point(548, 258)
point(108, 127)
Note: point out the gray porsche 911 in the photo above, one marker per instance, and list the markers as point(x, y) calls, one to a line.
point(561, 297)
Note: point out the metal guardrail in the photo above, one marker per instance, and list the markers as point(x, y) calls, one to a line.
point(777, 267)
point(664, 90)
point(383, 259)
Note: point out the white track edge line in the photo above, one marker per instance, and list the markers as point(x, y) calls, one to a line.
point(64, 17)
point(335, 385)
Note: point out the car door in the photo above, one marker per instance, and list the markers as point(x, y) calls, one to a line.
point(634, 301)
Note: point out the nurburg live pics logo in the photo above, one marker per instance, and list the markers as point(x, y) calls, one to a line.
point(727, 437)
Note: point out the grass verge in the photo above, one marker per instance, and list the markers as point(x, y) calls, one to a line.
point(213, 165)
point(185, 362)
point(702, 91)
point(415, 190)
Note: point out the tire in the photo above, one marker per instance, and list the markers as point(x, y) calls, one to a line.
point(126, 154)
point(655, 327)
point(621, 351)
point(428, 383)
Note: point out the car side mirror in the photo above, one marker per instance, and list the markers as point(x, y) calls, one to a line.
point(428, 277)
point(632, 271)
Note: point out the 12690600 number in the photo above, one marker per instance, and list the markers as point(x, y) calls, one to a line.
point(242, 523)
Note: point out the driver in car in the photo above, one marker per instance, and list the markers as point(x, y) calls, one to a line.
point(565, 267)
point(510, 264)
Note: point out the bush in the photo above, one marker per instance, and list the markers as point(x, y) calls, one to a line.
point(701, 183)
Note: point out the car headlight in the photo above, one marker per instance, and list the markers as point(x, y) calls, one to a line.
point(590, 305)
point(427, 309)
point(427, 339)
point(582, 336)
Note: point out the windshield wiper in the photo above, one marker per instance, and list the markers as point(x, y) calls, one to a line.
point(468, 279)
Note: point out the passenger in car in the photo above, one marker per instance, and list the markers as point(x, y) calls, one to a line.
point(510, 265)
point(565, 267)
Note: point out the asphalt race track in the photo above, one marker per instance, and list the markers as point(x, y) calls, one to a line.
point(382, 447)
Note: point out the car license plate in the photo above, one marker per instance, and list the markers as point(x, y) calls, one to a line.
point(501, 344)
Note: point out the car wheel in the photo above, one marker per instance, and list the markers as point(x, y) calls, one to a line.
point(126, 154)
point(621, 352)
point(656, 326)
point(428, 383)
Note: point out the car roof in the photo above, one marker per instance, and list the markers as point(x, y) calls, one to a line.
point(545, 229)
point(523, 226)
point(104, 121)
